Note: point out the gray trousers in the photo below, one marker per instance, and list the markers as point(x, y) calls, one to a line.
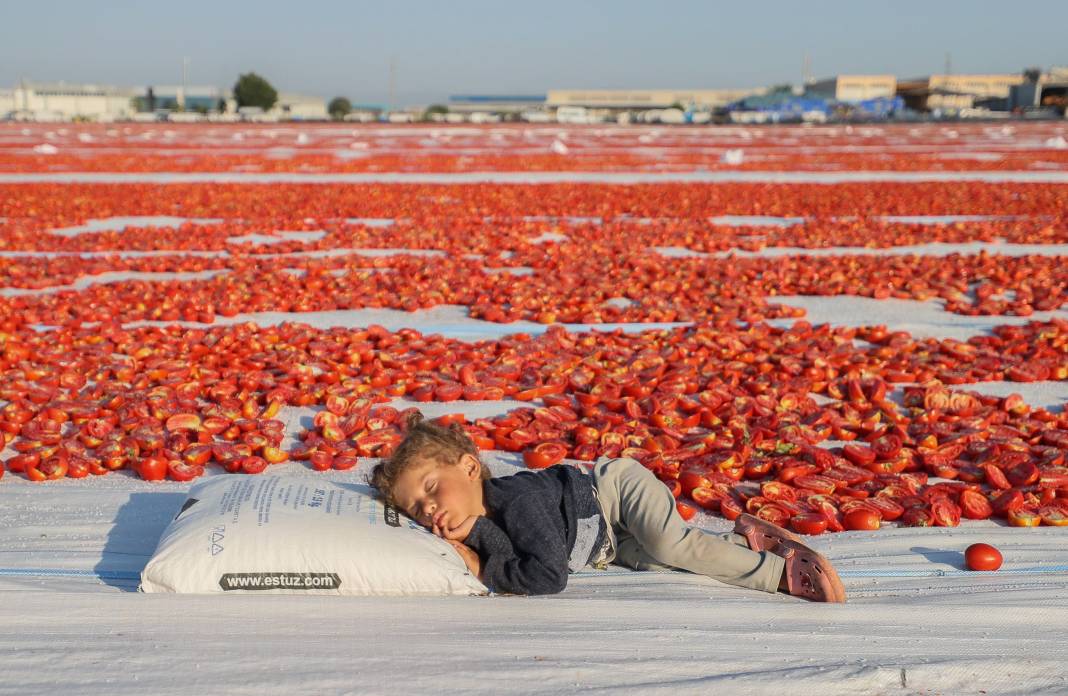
point(646, 532)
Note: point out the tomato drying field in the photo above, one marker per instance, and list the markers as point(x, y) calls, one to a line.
point(858, 332)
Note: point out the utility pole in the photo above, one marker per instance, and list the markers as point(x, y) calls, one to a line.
point(949, 63)
point(392, 81)
point(185, 79)
point(806, 69)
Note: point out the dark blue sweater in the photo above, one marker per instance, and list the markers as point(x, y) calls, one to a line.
point(541, 526)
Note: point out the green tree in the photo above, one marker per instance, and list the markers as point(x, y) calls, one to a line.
point(339, 108)
point(252, 90)
point(434, 109)
point(677, 105)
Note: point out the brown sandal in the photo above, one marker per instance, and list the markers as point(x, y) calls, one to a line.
point(811, 576)
point(763, 535)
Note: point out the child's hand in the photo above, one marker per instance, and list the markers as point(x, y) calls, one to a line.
point(458, 533)
point(470, 558)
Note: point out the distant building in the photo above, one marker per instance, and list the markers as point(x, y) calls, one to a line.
point(189, 98)
point(496, 103)
point(62, 101)
point(68, 101)
point(853, 88)
point(957, 92)
point(7, 101)
point(1049, 92)
point(963, 91)
point(632, 100)
point(299, 107)
point(213, 100)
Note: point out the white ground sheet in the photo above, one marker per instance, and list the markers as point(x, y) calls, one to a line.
point(916, 622)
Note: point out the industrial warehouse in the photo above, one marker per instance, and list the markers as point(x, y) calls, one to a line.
point(1028, 94)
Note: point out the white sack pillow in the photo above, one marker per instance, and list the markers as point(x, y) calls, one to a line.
point(300, 534)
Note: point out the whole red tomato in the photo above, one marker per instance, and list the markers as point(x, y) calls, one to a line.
point(862, 519)
point(982, 557)
point(153, 467)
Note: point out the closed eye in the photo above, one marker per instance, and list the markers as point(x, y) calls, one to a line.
point(413, 510)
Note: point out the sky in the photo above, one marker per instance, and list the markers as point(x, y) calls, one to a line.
point(447, 47)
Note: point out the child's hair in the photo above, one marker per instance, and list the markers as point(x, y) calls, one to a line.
point(423, 440)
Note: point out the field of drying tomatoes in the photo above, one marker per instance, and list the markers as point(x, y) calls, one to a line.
point(312, 148)
point(821, 428)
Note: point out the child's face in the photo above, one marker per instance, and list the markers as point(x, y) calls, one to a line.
point(443, 494)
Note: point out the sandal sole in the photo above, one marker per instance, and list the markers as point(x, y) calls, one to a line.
point(831, 587)
point(759, 532)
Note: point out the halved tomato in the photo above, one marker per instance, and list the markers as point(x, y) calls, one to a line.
point(23, 462)
point(544, 455)
point(995, 477)
point(1007, 502)
point(888, 508)
point(181, 471)
point(1022, 474)
point(776, 490)
point(321, 461)
point(974, 505)
point(917, 517)
point(685, 511)
point(887, 447)
point(77, 466)
point(344, 462)
point(1051, 515)
point(708, 498)
point(448, 392)
point(448, 419)
point(1024, 518)
point(691, 479)
point(819, 484)
point(945, 512)
point(253, 465)
point(730, 508)
point(774, 513)
point(858, 455)
point(811, 523)
point(788, 473)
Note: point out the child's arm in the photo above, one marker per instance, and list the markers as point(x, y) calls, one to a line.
point(533, 560)
point(470, 558)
